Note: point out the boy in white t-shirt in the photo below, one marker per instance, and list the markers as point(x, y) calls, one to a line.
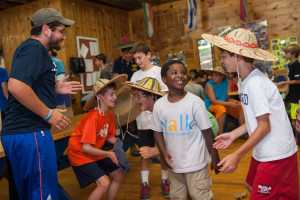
point(181, 128)
point(273, 172)
point(142, 54)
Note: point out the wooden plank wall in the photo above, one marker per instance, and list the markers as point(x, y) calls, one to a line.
point(170, 26)
point(96, 21)
point(170, 35)
point(92, 20)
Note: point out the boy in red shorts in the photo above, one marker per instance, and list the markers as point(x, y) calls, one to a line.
point(273, 172)
point(89, 162)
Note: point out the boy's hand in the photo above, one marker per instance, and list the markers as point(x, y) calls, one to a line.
point(168, 158)
point(229, 163)
point(113, 158)
point(223, 141)
point(146, 152)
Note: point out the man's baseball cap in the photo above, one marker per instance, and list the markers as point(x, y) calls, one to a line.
point(48, 15)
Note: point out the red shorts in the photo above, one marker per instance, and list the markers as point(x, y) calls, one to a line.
point(275, 179)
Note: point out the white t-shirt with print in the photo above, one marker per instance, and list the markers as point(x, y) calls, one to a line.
point(259, 96)
point(144, 119)
point(181, 124)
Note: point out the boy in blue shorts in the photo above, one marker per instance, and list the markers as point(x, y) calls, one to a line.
point(89, 162)
point(273, 172)
point(181, 130)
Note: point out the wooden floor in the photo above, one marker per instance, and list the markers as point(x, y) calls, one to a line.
point(224, 185)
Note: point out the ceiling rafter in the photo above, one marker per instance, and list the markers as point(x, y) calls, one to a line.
point(122, 4)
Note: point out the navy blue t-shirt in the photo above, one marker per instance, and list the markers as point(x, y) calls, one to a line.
point(121, 66)
point(33, 66)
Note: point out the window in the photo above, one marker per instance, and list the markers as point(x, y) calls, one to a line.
point(206, 54)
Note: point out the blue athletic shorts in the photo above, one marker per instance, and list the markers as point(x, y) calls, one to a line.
point(90, 172)
point(33, 162)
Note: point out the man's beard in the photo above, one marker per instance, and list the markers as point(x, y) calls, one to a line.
point(54, 43)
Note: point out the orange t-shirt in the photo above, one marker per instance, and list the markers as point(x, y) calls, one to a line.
point(93, 129)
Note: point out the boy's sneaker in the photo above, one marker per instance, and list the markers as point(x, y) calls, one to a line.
point(164, 184)
point(145, 191)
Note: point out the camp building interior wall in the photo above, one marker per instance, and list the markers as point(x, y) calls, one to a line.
point(106, 24)
point(171, 33)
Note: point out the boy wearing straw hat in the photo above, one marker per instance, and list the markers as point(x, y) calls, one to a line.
point(142, 54)
point(273, 172)
point(217, 100)
point(89, 162)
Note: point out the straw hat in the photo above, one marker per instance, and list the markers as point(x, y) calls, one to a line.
point(242, 42)
point(147, 84)
point(125, 43)
point(99, 85)
point(219, 70)
point(126, 109)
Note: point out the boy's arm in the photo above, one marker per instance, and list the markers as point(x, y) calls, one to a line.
point(111, 140)
point(292, 82)
point(209, 138)
point(225, 140)
point(231, 161)
point(158, 136)
point(90, 149)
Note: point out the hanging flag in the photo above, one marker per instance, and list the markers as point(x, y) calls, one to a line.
point(192, 7)
point(243, 10)
point(148, 18)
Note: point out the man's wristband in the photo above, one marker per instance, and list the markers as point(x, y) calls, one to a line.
point(49, 115)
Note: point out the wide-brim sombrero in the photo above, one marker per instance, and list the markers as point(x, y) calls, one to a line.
point(242, 42)
point(126, 109)
point(147, 84)
point(125, 43)
point(99, 85)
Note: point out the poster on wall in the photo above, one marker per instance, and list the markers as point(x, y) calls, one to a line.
point(88, 48)
point(176, 56)
point(277, 47)
point(260, 31)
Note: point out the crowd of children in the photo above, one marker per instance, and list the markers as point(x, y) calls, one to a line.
point(171, 116)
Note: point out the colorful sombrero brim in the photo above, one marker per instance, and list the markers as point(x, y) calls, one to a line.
point(92, 101)
point(254, 53)
point(126, 45)
point(142, 88)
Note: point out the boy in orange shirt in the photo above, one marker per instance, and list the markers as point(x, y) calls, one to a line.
point(89, 162)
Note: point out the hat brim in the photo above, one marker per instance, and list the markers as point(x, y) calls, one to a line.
point(254, 53)
point(142, 88)
point(126, 45)
point(126, 109)
point(66, 22)
point(92, 101)
point(211, 71)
